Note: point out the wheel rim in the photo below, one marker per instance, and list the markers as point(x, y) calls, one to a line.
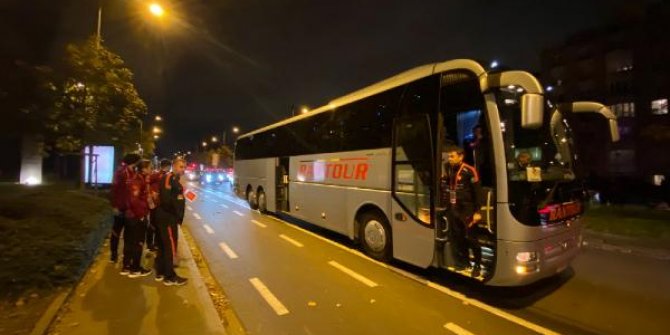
point(375, 235)
point(261, 201)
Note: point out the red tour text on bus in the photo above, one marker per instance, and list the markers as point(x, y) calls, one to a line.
point(348, 169)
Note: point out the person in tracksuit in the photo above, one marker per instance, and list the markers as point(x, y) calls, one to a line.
point(137, 215)
point(462, 194)
point(155, 183)
point(119, 193)
point(169, 215)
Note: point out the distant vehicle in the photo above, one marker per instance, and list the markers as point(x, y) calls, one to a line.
point(368, 166)
point(214, 176)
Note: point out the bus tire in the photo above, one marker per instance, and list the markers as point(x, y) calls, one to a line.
point(262, 201)
point(375, 236)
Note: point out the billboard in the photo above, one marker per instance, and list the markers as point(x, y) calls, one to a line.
point(98, 164)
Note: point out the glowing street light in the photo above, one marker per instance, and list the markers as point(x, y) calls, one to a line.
point(157, 130)
point(214, 139)
point(158, 118)
point(304, 110)
point(156, 137)
point(156, 9)
point(236, 130)
point(204, 144)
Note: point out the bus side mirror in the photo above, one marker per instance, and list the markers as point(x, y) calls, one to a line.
point(595, 107)
point(532, 110)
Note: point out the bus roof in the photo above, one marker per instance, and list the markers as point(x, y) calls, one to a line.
point(384, 85)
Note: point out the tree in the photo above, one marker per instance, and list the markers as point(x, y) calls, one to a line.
point(91, 99)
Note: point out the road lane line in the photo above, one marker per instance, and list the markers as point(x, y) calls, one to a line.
point(231, 254)
point(189, 208)
point(353, 274)
point(490, 309)
point(290, 240)
point(500, 313)
point(456, 329)
point(258, 223)
point(238, 213)
point(197, 216)
point(208, 229)
point(270, 298)
point(224, 206)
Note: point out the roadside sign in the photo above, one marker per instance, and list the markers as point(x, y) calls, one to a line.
point(190, 195)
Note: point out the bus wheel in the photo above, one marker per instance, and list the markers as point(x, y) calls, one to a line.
point(262, 202)
point(251, 199)
point(375, 236)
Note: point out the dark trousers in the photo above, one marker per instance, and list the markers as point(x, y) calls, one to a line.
point(167, 249)
point(117, 229)
point(464, 239)
point(133, 243)
point(151, 239)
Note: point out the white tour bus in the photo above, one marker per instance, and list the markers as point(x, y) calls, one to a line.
point(368, 166)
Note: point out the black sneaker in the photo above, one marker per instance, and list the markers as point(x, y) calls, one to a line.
point(159, 278)
point(113, 259)
point(125, 271)
point(142, 272)
point(176, 281)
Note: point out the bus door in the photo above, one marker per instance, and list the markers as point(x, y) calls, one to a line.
point(281, 183)
point(464, 123)
point(413, 236)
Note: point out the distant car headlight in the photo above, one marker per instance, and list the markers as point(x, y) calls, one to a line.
point(220, 177)
point(208, 178)
point(190, 175)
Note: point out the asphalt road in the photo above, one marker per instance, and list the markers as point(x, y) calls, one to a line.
point(290, 278)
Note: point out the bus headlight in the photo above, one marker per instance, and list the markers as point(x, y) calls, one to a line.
point(219, 177)
point(526, 256)
point(528, 268)
point(208, 178)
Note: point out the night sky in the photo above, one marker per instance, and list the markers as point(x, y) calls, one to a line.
point(213, 64)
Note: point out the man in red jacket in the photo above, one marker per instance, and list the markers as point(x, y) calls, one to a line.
point(137, 214)
point(119, 199)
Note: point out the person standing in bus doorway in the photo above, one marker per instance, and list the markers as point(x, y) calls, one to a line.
point(137, 214)
point(154, 186)
point(119, 193)
point(464, 193)
point(169, 215)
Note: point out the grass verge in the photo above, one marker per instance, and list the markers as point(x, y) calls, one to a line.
point(630, 221)
point(48, 235)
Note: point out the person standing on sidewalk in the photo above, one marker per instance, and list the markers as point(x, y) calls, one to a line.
point(119, 199)
point(155, 184)
point(137, 214)
point(170, 214)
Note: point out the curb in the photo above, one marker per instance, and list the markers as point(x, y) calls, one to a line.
point(601, 241)
point(195, 277)
point(47, 319)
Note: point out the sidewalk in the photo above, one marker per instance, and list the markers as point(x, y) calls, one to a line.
point(106, 302)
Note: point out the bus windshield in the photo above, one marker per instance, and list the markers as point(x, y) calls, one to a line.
point(540, 162)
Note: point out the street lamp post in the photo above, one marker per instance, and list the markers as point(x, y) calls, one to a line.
point(154, 8)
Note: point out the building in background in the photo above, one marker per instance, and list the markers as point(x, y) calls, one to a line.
point(627, 67)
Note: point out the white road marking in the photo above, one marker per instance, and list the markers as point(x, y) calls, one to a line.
point(270, 298)
point(353, 274)
point(224, 206)
point(495, 311)
point(231, 254)
point(238, 213)
point(290, 240)
point(208, 229)
point(258, 223)
point(456, 329)
point(507, 316)
point(195, 215)
point(189, 208)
